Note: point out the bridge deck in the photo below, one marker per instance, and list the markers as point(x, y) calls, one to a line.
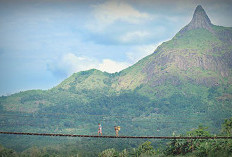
point(95, 136)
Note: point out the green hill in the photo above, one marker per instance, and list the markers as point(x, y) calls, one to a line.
point(186, 82)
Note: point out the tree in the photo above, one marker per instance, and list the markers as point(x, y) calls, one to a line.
point(227, 127)
point(145, 149)
point(176, 147)
point(109, 153)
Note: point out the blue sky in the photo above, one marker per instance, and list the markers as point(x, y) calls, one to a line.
point(42, 42)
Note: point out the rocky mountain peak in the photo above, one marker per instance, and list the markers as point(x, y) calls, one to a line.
point(200, 20)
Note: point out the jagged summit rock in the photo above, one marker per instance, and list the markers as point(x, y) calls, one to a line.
point(200, 16)
point(200, 20)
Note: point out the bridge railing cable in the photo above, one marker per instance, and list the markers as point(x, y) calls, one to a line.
point(95, 136)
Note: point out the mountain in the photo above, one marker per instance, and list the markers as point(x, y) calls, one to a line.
point(200, 20)
point(185, 82)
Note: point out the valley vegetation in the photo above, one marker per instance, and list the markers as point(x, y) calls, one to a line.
point(194, 148)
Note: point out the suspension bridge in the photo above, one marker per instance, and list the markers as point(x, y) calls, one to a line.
point(57, 115)
point(135, 137)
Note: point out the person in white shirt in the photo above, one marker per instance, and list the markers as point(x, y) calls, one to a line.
point(99, 129)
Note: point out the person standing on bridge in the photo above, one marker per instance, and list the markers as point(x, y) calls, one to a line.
point(116, 128)
point(99, 129)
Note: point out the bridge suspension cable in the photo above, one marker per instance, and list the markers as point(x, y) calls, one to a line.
point(135, 137)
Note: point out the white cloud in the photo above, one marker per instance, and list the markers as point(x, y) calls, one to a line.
point(138, 52)
point(70, 63)
point(112, 66)
point(108, 12)
point(142, 36)
point(134, 36)
point(74, 63)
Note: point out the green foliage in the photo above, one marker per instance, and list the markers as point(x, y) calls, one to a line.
point(194, 39)
point(109, 153)
point(4, 152)
point(227, 127)
point(200, 131)
point(176, 147)
point(124, 153)
point(145, 149)
point(199, 147)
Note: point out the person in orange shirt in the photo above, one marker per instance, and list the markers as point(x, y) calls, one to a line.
point(116, 128)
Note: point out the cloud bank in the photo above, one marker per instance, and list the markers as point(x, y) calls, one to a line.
point(69, 63)
point(109, 12)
